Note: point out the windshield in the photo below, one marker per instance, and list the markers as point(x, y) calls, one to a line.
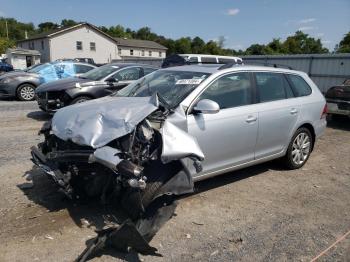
point(36, 69)
point(100, 72)
point(171, 86)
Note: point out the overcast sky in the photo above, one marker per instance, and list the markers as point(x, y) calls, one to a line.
point(241, 22)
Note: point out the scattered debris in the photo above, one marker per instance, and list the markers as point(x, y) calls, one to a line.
point(188, 236)
point(49, 237)
point(197, 223)
point(214, 253)
point(26, 185)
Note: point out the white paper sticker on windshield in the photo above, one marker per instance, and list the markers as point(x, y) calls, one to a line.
point(115, 66)
point(189, 81)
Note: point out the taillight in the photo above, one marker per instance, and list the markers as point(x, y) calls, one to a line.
point(325, 111)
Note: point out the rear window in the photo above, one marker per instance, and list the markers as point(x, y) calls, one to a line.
point(300, 86)
point(272, 86)
point(211, 60)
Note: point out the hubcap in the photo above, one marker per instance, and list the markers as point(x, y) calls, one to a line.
point(301, 148)
point(27, 92)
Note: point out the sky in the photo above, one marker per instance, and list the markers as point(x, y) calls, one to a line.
point(241, 22)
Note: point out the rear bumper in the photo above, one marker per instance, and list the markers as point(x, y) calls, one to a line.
point(339, 107)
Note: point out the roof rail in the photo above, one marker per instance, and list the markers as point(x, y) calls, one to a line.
point(268, 64)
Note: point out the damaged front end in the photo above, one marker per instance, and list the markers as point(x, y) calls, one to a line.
point(119, 149)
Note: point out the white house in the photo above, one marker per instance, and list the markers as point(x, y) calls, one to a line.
point(85, 40)
point(21, 58)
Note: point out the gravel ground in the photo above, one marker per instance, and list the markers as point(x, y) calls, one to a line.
point(263, 213)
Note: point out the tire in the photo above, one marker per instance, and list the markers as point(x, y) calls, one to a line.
point(157, 175)
point(26, 92)
point(80, 99)
point(299, 149)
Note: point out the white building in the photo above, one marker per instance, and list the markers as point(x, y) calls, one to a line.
point(87, 41)
point(21, 58)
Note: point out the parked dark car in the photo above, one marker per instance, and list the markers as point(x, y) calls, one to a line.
point(22, 84)
point(101, 81)
point(85, 60)
point(5, 67)
point(338, 99)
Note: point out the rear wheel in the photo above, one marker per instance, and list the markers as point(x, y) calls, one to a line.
point(299, 149)
point(80, 99)
point(26, 92)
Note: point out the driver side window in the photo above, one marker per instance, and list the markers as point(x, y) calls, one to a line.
point(128, 74)
point(230, 90)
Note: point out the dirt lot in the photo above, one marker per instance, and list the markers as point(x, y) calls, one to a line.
point(262, 213)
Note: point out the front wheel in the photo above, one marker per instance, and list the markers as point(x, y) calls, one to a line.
point(299, 149)
point(80, 99)
point(26, 92)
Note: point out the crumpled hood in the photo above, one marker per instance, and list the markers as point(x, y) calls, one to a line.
point(97, 122)
point(62, 84)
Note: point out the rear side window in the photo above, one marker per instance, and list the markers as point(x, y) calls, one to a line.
point(209, 60)
point(225, 60)
point(300, 86)
point(148, 70)
point(272, 86)
point(230, 91)
point(128, 74)
point(80, 69)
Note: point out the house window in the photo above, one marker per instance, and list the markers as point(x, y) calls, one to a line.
point(131, 52)
point(160, 54)
point(149, 53)
point(31, 45)
point(42, 44)
point(92, 46)
point(119, 51)
point(79, 45)
point(143, 52)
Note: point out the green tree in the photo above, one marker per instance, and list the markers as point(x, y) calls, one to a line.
point(5, 43)
point(197, 45)
point(47, 26)
point(16, 30)
point(183, 45)
point(301, 43)
point(68, 22)
point(257, 49)
point(344, 44)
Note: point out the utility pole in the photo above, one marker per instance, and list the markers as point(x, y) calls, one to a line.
point(7, 29)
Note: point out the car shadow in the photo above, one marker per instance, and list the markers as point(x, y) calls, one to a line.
point(39, 116)
point(339, 122)
point(44, 192)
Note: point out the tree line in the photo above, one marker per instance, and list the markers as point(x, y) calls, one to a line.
point(299, 43)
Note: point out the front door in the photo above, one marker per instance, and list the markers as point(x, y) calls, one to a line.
point(228, 137)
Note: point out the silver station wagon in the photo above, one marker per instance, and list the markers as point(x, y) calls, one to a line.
point(178, 125)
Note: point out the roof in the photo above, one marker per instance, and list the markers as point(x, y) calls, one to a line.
point(139, 43)
point(61, 30)
point(122, 65)
point(118, 41)
point(214, 69)
point(23, 51)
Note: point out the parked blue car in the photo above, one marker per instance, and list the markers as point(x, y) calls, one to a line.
point(22, 84)
point(5, 67)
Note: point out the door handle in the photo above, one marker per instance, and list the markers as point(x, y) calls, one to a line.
point(294, 111)
point(251, 119)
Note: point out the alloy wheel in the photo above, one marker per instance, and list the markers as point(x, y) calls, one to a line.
point(27, 93)
point(301, 148)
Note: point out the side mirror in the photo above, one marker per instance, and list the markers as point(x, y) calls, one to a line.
point(112, 80)
point(206, 106)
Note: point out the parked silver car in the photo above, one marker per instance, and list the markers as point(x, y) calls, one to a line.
point(179, 125)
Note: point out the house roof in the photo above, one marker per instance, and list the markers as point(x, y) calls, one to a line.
point(23, 51)
point(118, 41)
point(138, 43)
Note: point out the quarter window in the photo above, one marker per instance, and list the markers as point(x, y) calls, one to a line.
point(128, 74)
point(230, 91)
point(272, 86)
point(79, 45)
point(300, 86)
point(92, 46)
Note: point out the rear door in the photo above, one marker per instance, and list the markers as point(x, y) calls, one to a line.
point(228, 137)
point(278, 111)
